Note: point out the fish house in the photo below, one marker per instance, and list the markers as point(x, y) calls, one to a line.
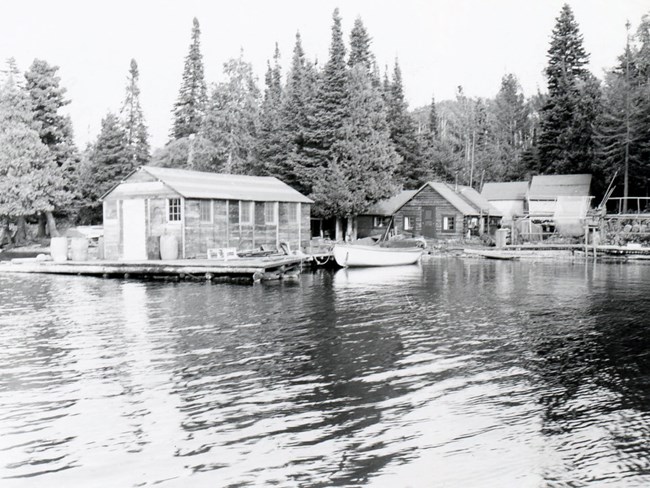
point(202, 211)
point(546, 191)
point(507, 197)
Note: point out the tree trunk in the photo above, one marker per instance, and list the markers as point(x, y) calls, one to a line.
point(51, 224)
point(21, 231)
point(5, 234)
point(41, 226)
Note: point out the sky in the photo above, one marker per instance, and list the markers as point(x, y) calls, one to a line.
point(440, 44)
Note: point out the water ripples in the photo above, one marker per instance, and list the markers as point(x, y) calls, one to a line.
point(453, 373)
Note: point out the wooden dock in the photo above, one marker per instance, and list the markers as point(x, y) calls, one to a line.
point(246, 269)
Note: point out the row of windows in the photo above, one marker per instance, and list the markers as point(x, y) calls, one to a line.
point(409, 222)
point(448, 223)
point(206, 210)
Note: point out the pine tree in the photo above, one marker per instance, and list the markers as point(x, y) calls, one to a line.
point(109, 161)
point(232, 122)
point(190, 107)
point(137, 139)
point(403, 133)
point(31, 182)
point(566, 143)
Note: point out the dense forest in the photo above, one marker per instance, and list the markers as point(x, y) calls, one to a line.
point(340, 132)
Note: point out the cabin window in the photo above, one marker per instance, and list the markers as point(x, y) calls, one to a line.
point(270, 213)
point(174, 210)
point(110, 210)
point(205, 208)
point(448, 223)
point(292, 212)
point(380, 221)
point(246, 213)
point(409, 222)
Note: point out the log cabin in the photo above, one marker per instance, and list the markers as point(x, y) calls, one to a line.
point(436, 211)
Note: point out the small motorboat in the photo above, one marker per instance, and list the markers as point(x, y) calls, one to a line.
point(380, 254)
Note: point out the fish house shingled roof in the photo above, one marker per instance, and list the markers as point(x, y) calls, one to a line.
point(499, 191)
point(216, 186)
point(549, 187)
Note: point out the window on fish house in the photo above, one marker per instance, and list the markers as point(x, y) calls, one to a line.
point(448, 223)
point(246, 213)
point(380, 221)
point(205, 207)
point(292, 212)
point(270, 213)
point(174, 209)
point(409, 222)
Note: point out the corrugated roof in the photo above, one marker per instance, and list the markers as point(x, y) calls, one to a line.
point(462, 205)
point(391, 205)
point(552, 186)
point(511, 190)
point(198, 184)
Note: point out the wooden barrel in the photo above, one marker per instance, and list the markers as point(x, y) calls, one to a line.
point(59, 249)
point(168, 247)
point(79, 249)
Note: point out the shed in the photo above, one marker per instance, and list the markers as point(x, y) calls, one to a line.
point(375, 220)
point(441, 211)
point(203, 211)
point(545, 190)
point(507, 197)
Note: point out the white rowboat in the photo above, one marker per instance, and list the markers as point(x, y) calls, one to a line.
point(348, 255)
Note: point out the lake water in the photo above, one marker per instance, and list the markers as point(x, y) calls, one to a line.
point(455, 373)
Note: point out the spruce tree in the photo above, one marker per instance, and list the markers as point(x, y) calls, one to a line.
point(323, 129)
point(360, 46)
point(403, 133)
point(231, 124)
point(272, 143)
point(298, 119)
point(566, 143)
point(190, 107)
point(109, 162)
point(137, 139)
point(363, 161)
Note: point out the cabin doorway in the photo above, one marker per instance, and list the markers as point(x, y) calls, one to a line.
point(134, 230)
point(429, 222)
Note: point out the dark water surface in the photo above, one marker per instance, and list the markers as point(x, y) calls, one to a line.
point(455, 373)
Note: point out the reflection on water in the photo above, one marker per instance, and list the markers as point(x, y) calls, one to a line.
point(449, 373)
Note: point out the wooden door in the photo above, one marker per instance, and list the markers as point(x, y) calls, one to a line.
point(429, 222)
point(134, 231)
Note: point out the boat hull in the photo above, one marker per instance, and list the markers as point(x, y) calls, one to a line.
point(352, 255)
